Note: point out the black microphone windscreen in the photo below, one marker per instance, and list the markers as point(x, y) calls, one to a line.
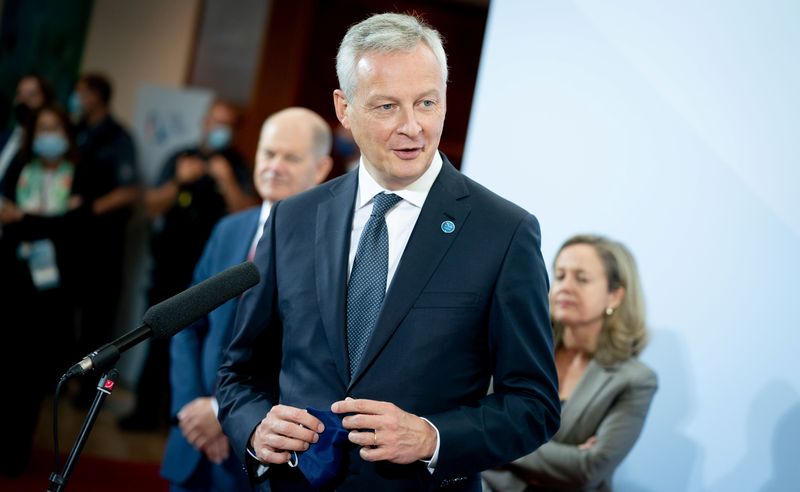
point(179, 311)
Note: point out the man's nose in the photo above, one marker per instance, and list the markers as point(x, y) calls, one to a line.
point(409, 125)
point(275, 164)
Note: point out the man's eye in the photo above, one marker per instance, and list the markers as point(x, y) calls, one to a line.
point(428, 103)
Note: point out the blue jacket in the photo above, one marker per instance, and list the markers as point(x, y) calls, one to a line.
point(196, 352)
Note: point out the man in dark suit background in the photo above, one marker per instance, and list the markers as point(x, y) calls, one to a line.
point(292, 156)
point(392, 295)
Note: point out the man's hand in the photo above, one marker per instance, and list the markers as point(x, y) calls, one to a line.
point(217, 449)
point(386, 432)
point(198, 423)
point(189, 169)
point(284, 429)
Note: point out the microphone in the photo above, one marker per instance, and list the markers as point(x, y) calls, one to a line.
point(167, 318)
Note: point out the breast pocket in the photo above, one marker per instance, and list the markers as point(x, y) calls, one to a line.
point(443, 314)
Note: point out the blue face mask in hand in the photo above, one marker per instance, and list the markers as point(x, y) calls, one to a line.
point(322, 462)
point(219, 137)
point(49, 145)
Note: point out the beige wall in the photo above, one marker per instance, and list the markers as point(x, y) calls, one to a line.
point(140, 41)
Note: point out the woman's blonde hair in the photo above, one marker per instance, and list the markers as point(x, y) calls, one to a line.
point(624, 334)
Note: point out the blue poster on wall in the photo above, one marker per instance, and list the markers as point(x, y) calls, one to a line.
point(166, 120)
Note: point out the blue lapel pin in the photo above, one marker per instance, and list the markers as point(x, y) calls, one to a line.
point(448, 227)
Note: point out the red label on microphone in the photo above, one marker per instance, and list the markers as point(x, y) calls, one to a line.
point(109, 385)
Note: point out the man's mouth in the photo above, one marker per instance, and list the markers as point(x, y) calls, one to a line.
point(408, 153)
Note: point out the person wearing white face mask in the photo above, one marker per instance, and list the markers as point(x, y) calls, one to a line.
point(41, 214)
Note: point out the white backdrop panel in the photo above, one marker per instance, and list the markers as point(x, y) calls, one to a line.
point(672, 126)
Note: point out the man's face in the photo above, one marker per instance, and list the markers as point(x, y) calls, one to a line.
point(397, 113)
point(285, 161)
point(29, 93)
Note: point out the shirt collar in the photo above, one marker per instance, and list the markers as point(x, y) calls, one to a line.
point(264, 214)
point(415, 193)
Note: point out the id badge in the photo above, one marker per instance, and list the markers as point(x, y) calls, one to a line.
point(41, 258)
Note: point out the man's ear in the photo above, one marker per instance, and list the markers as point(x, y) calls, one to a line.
point(341, 104)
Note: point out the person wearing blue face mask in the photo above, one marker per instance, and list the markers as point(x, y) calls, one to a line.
point(41, 215)
point(43, 182)
point(219, 138)
point(197, 187)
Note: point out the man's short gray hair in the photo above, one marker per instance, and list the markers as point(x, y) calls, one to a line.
point(384, 33)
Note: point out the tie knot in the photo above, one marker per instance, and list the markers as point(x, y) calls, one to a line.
point(383, 202)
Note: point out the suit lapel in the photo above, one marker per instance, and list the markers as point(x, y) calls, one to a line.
point(332, 242)
point(240, 248)
point(243, 249)
point(593, 381)
point(425, 249)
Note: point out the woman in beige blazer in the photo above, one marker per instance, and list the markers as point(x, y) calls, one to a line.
point(599, 329)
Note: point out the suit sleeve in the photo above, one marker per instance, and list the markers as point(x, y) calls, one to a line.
point(565, 465)
point(502, 481)
point(186, 347)
point(524, 410)
point(247, 385)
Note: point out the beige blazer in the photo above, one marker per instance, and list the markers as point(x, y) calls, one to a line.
point(610, 403)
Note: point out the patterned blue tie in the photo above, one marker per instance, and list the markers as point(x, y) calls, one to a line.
point(367, 285)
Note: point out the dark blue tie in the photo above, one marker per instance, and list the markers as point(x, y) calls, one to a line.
point(367, 285)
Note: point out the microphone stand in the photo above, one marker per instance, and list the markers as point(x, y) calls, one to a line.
point(58, 482)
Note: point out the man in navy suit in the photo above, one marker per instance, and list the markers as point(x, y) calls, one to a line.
point(392, 296)
point(293, 156)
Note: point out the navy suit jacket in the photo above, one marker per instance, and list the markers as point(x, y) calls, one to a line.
point(463, 307)
point(196, 352)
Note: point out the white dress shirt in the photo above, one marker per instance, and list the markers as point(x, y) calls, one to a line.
point(266, 207)
point(400, 221)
